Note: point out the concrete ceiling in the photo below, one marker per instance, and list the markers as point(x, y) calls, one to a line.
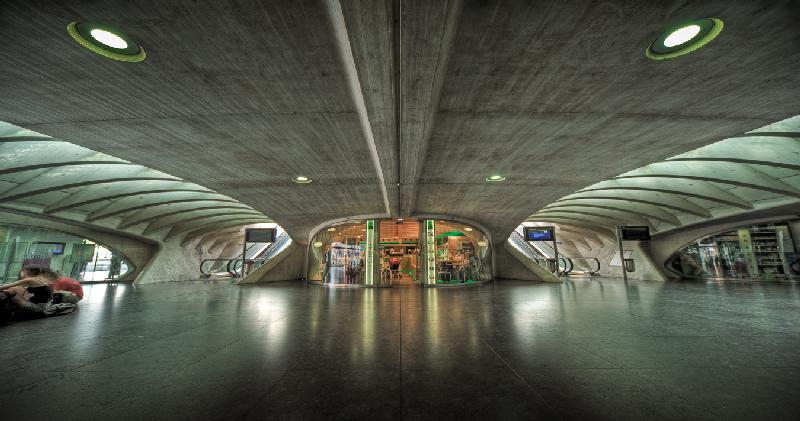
point(47, 177)
point(397, 107)
point(742, 175)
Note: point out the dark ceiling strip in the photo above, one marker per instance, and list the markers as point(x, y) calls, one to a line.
point(557, 205)
point(795, 167)
point(150, 205)
point(795, 135)
point(244, 212)
point(28, 139)
point(81, 184)
point(784, 192)
point(59, 164)
point(164, 215)
point(121, 195)
point(680, 192)
point(690, 211)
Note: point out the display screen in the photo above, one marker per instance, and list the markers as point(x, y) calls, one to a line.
point(260, 235)
point(640, 233)
point(54, 248)
point(539, 234)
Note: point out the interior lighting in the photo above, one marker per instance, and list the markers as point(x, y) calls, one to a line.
point(301, 179)
point(318, 244)
point(467, 229)
point(108, 38)
point(495, 178)
point(331, 229)
point(106, 41)
point(482, 243)
point(683, 38)
point(681, 35)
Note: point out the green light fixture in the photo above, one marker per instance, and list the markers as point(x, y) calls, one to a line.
point(106, 41)
point(683, 38)
point(495, 178)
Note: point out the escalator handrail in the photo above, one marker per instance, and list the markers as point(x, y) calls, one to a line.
point(589, 258)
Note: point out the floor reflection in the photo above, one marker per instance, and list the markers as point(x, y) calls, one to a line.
point(583, 349)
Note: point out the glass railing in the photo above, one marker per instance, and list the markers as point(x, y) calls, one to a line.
point(543, 254)
point(254, 257)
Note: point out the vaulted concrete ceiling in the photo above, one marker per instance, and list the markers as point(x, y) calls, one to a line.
point(745, 174)
point(397, 107)
point(44, 176)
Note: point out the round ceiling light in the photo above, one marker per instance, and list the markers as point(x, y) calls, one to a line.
point(106, 41)
point(495, 178)
point(683, 38)
point(301, 179)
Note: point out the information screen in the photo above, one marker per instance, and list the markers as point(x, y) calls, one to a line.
point(636, 233)
point(54, 248)
point(260, 235)
point(539, 234)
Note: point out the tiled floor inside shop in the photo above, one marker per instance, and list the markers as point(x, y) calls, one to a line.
point(581, 350)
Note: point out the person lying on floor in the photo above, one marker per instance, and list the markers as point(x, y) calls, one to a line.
point(33, 291)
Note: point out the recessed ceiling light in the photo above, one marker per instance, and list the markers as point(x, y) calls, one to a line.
point(467, 229)
point(318, 244)
point(495, 178)
point(301, 179)
point(106, 41)
point(331, 229)
point(108, 38)
point(683, 38)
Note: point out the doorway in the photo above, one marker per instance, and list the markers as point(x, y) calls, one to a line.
point(399, 251)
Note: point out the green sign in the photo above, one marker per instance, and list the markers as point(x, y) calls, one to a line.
point(369, 271)
point(430, 252)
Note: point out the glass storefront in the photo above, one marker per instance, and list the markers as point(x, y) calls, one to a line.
point(462, 253)
point(763, 252)
point(400, 252)
point(67, 254)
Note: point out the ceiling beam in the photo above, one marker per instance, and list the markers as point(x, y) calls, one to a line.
point(96, 216)
point(223, 208)
point(56, 207)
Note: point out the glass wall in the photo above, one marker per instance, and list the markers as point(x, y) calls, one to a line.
point(67, 254)
point(462, 253)
point(763, 252)
point(337, 255)
point(392, 252)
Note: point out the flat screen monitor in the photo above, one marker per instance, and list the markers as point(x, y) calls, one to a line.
point(636, 233)
point(539, 234)
point(260, 235)
point(54, 247)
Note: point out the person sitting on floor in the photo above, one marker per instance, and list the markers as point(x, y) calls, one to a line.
point(33, 291)
point(70, 285)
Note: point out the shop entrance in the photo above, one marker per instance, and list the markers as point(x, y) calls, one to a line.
point(399, 251)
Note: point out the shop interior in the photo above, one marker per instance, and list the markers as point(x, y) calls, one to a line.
point(759, 252)
point(338, 254)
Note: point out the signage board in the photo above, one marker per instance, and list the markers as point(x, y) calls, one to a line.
point(635, 233)
point(540, 233)
point(259, 235)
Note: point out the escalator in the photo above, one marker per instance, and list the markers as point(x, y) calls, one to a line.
point(543, 254)
point(256, 255)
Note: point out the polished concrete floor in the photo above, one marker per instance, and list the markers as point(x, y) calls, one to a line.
point(582, 350)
